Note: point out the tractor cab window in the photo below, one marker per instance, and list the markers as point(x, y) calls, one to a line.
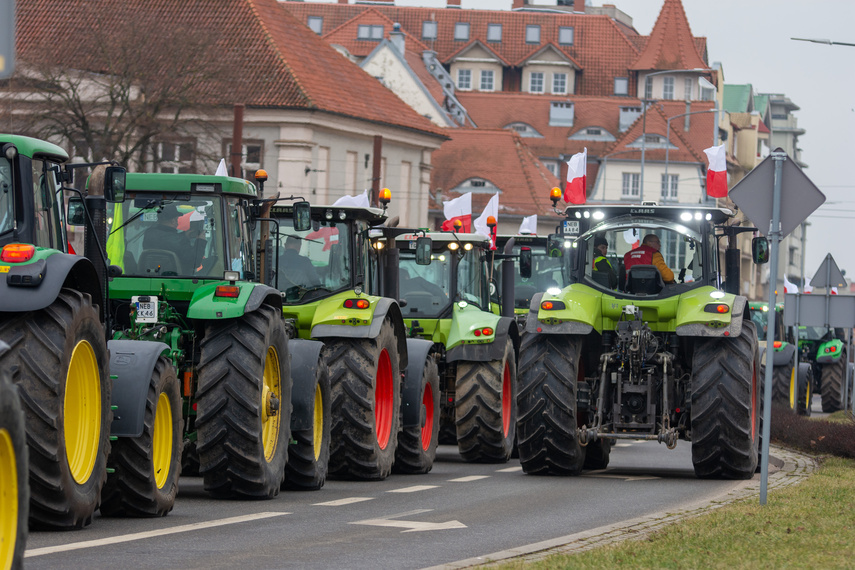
point(7, 197)
point(425, 288)
point(472, 285)
point(314, 263)
point(45, 189)
point(156, 235)
point(238, 242)
point(547, 271)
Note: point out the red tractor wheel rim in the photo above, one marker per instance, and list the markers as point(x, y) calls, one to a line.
point(427, 430)
point(384, 394)
point(506, 399)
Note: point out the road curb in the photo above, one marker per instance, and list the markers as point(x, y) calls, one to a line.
point(786, 467)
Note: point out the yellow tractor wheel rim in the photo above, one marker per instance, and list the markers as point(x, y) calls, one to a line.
point(271, 395)
point(162, 440)
point(8, 500)
point(318, 425)
point(82, 412)
point(807, 395)
point(794, 389)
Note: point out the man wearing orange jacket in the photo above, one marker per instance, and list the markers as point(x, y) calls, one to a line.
point(648, 254)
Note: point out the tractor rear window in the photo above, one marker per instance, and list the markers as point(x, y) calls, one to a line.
point(7, 197)
point(425, 288)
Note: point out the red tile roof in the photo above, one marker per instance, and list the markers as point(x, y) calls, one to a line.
point(671, 44)
point(281, 62)
point(501, 157)
point(346, 34)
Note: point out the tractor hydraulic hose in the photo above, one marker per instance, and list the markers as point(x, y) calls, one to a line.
point(605, 359)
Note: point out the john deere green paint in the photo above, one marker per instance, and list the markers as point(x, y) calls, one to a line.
point(825, 350)
point(788, 389)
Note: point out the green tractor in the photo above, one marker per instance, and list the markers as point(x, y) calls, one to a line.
point(184, 277)
point(383, 387)
point(791, 385)
point(445, 290)
point(15, 498)
point(53, 316)
point(648, 359)
point(826, 352)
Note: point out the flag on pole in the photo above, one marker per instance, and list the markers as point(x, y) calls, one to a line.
point(358, 201)
point(491, 210)
point(632, 239)
point(834, 290)
point(577, 168)
point(529, 225)
point(221, 169)
point(717, 172)
point(808, 287)
point(789, 287)
point(458, 209)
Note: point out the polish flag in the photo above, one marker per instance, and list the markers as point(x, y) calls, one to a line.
point(529, 225)
point(808, 287)
point(834, 290)
point(789, 287)
point(577, 168)
point(481, 227)
point(717, 172)
point(458, 209)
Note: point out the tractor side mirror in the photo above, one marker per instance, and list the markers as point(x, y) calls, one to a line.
point(76, 215)
point(114, 184)
point(760, 250)
point(302, 216)
point(525, 262)
point(424, 245)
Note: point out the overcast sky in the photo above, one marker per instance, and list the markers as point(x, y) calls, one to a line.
point(751, 39)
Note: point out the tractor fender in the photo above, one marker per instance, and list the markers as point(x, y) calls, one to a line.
point(505, 328)
point(783, 356)
point(131, 366)
point(832, 356)
point(305, 355)
point(264, 295)
point(739, 311)
point(57, 271)
point(385, 307)
point(532, 325)
point(418, 351)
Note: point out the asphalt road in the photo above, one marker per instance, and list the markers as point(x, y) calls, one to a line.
point(456, 511)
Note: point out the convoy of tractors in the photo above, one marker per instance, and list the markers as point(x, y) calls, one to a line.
point(266, 343)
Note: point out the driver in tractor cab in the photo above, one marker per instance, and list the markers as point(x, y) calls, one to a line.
point(648, 254)
point(602, 263)
point(295, 268)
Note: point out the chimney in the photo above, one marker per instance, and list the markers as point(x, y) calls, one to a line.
point(342, 1)
point(579, 6)
point(396, 36)
point(518, 4)
point(453, 3)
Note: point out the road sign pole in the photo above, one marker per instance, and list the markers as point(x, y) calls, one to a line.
point(775, 236)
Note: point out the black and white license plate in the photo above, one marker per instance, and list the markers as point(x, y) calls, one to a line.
point(146, 310)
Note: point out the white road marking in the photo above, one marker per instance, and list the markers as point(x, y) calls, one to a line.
point(340, 502)
point(468, 479)
point(411, 526)
point(623, 444)
point(510, 469)
point(616, 476)
point(148, 534)
point(413, 489)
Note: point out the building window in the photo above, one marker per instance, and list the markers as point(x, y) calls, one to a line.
point(551, 166)
point(428, 30)
point(464, 79)
point(791, 259)
point(251, 153)
point(559, 83)
point(477, 183)
point(630, 186)
point(648, 88)
point(366, 32)
point(669, 187)
point(494, 32)
point(486, 80)
point(688, 88)
point(565, 36)
point(461, 32)
point(532, 34)
point(595, 132)
point(621, 86)
point(174, 157)
point(524, 130)
point(668, 88)
point(316, 24)
point(535, 82)
point(561, 114)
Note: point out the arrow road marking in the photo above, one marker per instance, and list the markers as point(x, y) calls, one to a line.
point(469, 478)
point(413, 489)
point(411, 526)
point(149, 534)
point(341, 502)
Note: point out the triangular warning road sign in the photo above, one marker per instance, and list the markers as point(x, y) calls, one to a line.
point(828, 274)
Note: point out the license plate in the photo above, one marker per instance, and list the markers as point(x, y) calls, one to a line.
point(146, 310)
point(571, 227)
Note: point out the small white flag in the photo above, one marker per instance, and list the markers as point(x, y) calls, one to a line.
point(529, 225)
point(221, 169)
point(491, 210)
point(358, 201)
point(808, 287)
point(789, 287)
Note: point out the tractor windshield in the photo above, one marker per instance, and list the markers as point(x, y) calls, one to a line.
point(547, 271)
point(425, 288)
point(314, 263)
point(155, 235)
point(7, 197)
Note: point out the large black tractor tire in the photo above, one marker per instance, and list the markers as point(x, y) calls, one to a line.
point(549, 366)
point(365, 375)
point(784, 384)
point(14, 485)
point(416, 450)
point(486, 409)
point(597, 454)
point(146, 469)
point(309, 454)
point(726, 406)
point(805, 391)
point(59, 360)
point(243, 417)
point(833, 376)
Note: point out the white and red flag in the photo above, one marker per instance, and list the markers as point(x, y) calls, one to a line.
point(717, 172)
point(528, 225)
point(834, 290)
point(577, 168)
point(491, 210)
point(458, 209)
point(790, 287)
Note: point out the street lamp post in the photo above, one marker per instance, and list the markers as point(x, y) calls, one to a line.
point(668, 135)
point(602, 173)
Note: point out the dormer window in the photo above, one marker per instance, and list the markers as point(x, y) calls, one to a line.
point(524, 130)
point(428, 30)
point(621, 86)
point(369, 32)
point(532, 34)
point(565, 36)
point(461, 32)
point(561, 114)
point(316, 24)
point(494, 32)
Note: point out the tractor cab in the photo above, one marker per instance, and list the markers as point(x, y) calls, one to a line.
point(541, 267)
